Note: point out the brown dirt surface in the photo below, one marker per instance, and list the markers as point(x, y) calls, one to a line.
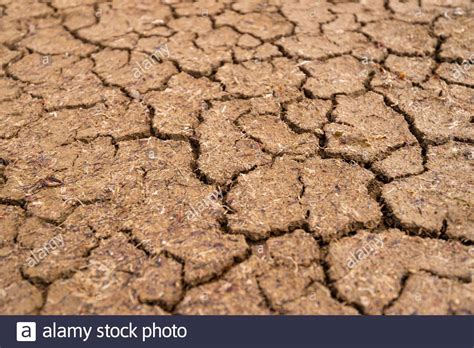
point(236, 157)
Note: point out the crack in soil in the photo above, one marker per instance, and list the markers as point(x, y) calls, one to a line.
point(288, 14)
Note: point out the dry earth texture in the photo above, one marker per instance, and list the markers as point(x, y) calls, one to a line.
point(236, 157)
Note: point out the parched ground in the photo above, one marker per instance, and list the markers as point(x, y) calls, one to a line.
point(236, 157)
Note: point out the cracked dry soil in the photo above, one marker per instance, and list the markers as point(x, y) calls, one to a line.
point(236, 157)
